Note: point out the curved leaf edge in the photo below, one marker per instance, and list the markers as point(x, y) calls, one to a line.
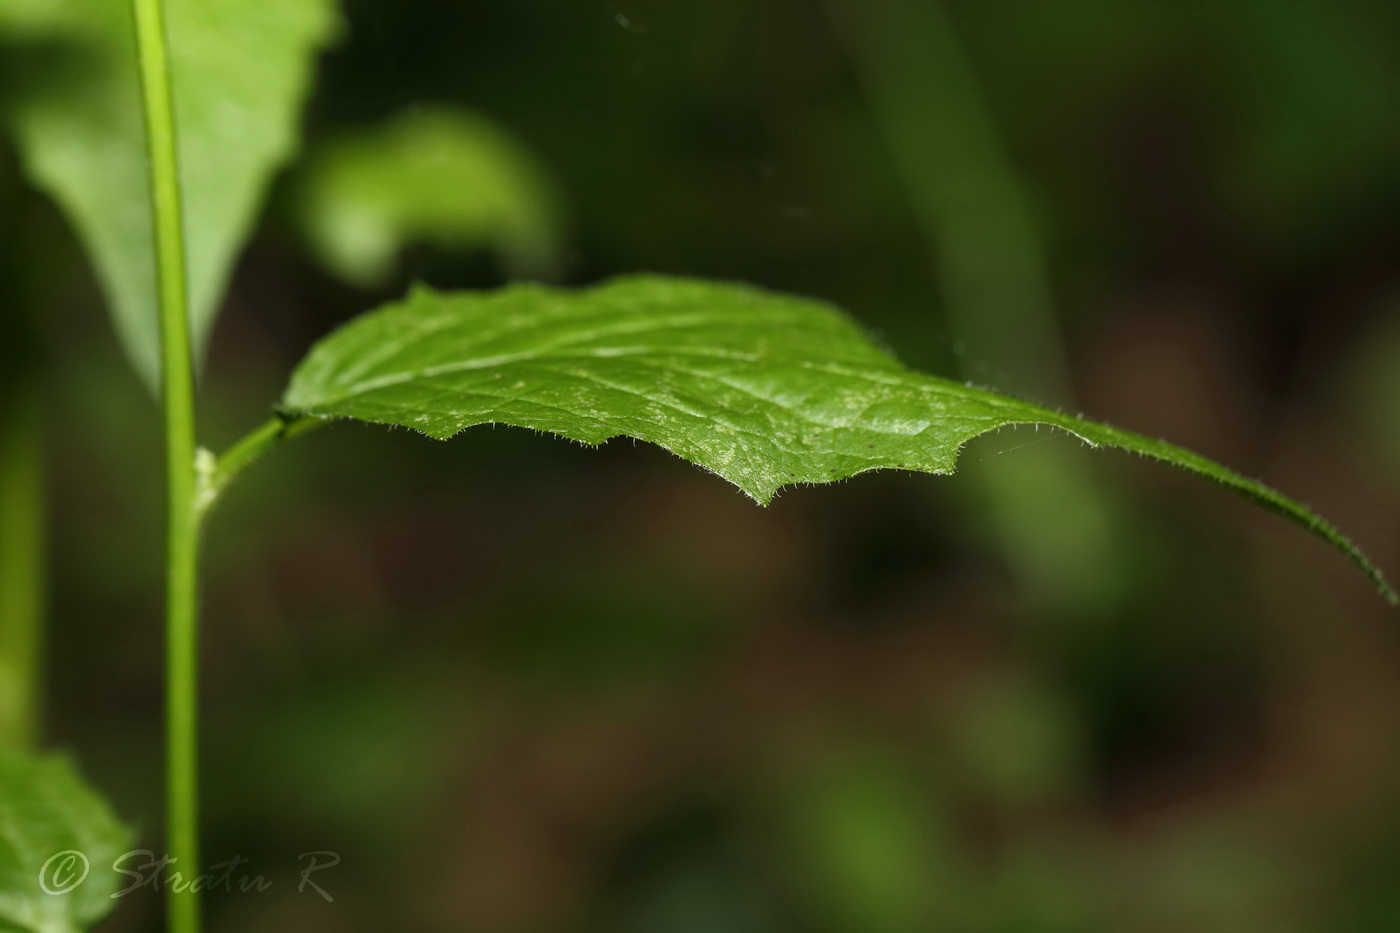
point(1094, 434)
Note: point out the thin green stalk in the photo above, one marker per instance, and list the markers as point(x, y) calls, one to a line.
point(971, 203)
point(177, 398)
point(216, 473)
point(21, 566)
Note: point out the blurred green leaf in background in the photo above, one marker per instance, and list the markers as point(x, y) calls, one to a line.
point(439, 175)
point(58, 843)
point(245, 69)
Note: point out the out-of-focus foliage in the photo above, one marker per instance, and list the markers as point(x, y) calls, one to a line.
point(869, 845)
point(440, 175)
point(1317, 85)
point(58, 841)
point(241, 71)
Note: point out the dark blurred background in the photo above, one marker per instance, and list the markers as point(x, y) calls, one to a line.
point(522, 686)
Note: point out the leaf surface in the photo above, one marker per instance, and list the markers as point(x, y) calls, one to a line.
point(46, 810)
point(440, 175)
point(764, 389)
point(240, 72)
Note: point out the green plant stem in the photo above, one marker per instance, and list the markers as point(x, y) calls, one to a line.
point(215, 474)
point(976, 216)
point(177, 398)
point(21, 565)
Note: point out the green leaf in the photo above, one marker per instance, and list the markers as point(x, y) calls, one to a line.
point(434, 174)
point(764, 389)
point(241, 69)
point(51, 826)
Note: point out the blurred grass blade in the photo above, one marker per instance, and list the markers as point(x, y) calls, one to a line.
point(976, 217)
point(241, 67)
point(23, 509)
point(764, 389)
point(438, 175)
point(22, 577)
point(53, 830)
